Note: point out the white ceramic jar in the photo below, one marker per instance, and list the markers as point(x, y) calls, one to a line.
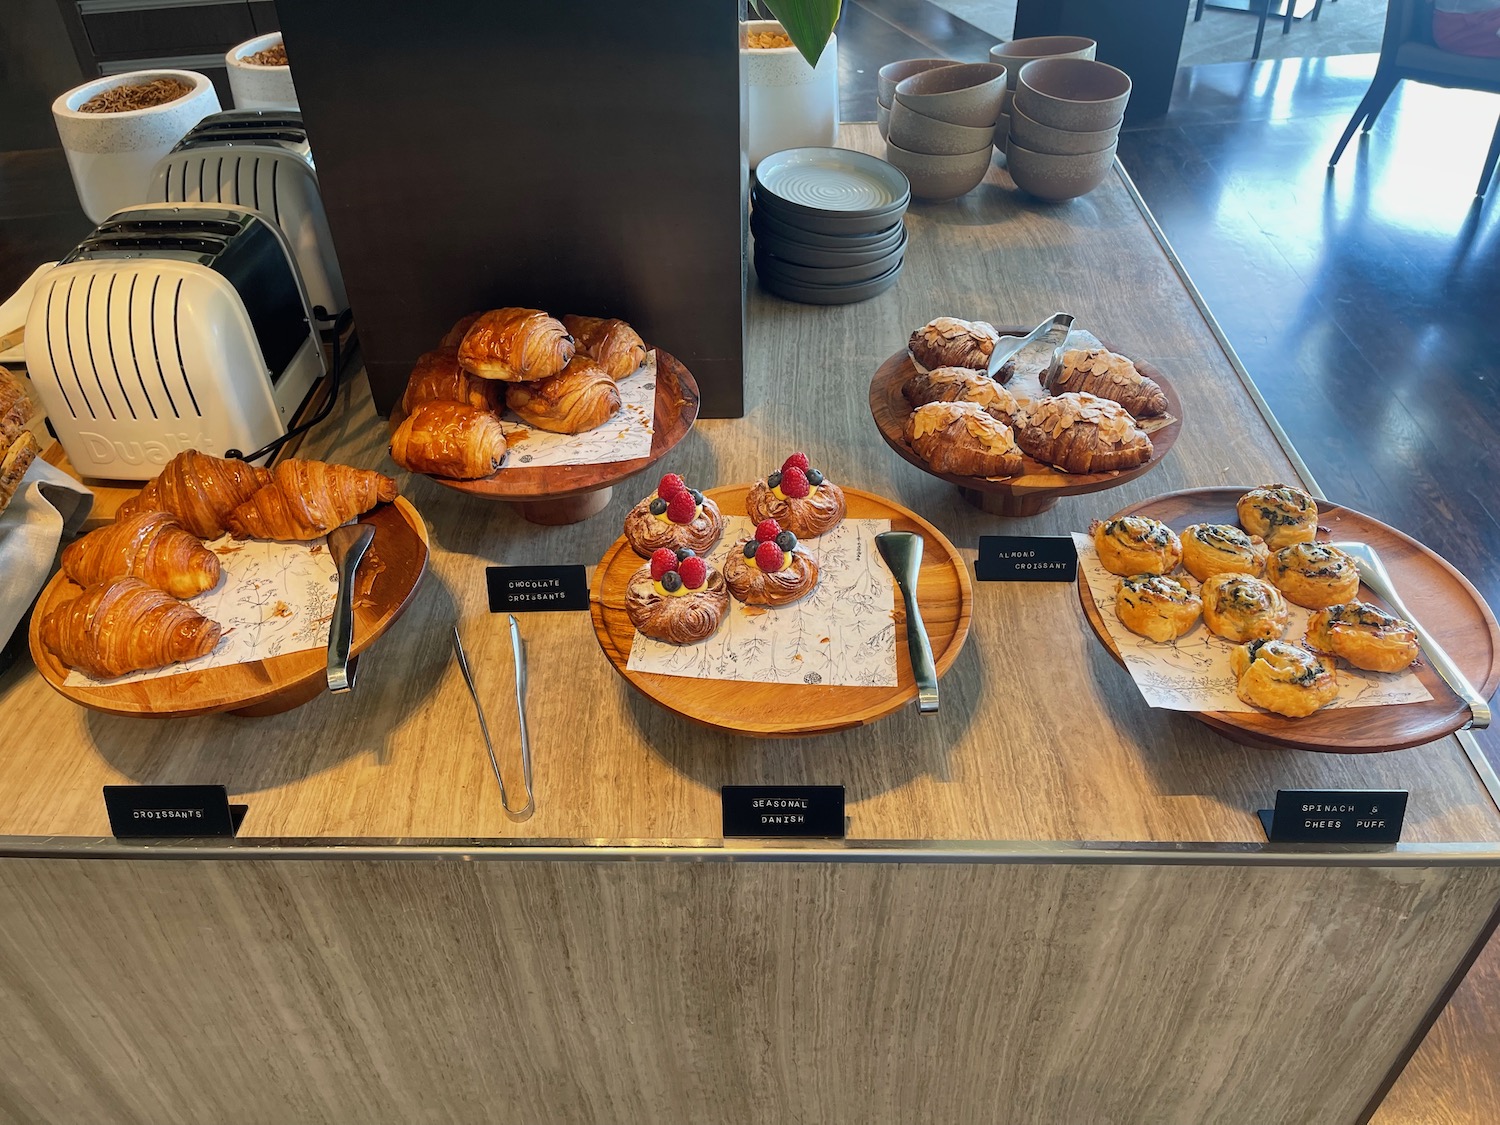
point(259, 87)
point(112, 155)
point(789, 104)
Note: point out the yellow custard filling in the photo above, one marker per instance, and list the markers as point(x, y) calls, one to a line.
point(664, 592)
point(812, 490)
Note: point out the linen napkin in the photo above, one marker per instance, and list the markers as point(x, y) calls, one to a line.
point(48, 504)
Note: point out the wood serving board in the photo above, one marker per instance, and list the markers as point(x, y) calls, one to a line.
point(1038, 486)
point(387, 578)
point(1441, 598)
point(944, 594)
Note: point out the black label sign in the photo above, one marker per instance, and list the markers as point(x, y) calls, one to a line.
point(1026, 558)
point(1335, 816)
point(171, 810)
point(783, 810)
point(526, 589)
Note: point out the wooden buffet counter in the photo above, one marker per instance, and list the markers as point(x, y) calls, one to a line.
point(1056, 904)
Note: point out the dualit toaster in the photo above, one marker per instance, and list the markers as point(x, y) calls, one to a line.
point(260, 159)
point(171, 328)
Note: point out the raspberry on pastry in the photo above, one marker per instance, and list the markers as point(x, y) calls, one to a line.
point(802, 501)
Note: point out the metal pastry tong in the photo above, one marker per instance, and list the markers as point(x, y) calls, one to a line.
point(519, 652)
point(1054, 329)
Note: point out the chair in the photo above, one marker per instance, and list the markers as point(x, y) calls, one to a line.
point(1265, 12)
point(1407, 51)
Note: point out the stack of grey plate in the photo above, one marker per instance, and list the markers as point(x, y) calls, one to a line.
point(828, 225)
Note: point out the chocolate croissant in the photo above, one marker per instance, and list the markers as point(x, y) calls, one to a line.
point(455, 335)
point(306, 499)
point(437, 377)
point(1101, 372)
point(151, 546)
point(200, 490)
point(515, 345)
point(960, 384)
point(962, 439)
point(450, 440)
point(1080, 433)
point(126, 626)
point(582, 397)
point(612, 344)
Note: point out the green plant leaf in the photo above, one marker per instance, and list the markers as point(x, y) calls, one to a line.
point(808, 22)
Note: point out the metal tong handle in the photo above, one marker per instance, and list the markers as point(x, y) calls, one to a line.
point(1059, 323)
point(341, 629)
point(1375, 576)
point(902, 552)
point(484, 729)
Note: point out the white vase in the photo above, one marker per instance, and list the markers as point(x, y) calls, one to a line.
point(112, 155)
point(789, 104)
point(259, 87)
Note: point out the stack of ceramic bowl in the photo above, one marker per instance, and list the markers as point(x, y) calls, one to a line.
point(942, 128)
point(1064, 123)
point(1017, 53)
point(828, 225)
point(885, 87)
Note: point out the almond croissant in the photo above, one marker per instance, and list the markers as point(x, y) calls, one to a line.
point(200, 490)
point(1103, 373)
point(1079, 433)
point(449, 439)
point(151, 546)
point(125, 626)
point(306, 499)
point(515, 345)
point(581, 398)
point(612, 344)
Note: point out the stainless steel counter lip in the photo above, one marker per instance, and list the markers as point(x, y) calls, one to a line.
point(715, 851)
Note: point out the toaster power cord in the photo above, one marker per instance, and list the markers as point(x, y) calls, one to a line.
point(339, 323)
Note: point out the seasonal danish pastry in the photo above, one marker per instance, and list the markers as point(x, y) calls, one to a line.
point(1365, 636)
point(126, 626)
point(1136, 545)
point(515, 345)
point(1241, 607)
point(1283, 677)
point(1279, 514)
point(1314, 574)
point(1080, 433)
point(1156, 607)
point(950, 342)
point(959, 384)
point(151, 546)
point(437, 377)
point(673, 516)
point(612, 344)
point(1221, 548)
point(452, 440)
point(580, 397)
point(962, 439)
point(771, 569)
point(676, 597)
point(1105, 374)
point(798, 497)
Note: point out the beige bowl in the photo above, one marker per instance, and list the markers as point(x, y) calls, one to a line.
point(1058, 142)
point(1055, 178)
point(892, 73)
point(1077, 94)
point(916, 132)
point(1018, 52)
point(1002, 131)
point(882, 120)
point(940, 177)
point(966, 94)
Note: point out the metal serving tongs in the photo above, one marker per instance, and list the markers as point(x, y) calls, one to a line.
point(1055, 328)
point(519, 652)
point(1373, 574)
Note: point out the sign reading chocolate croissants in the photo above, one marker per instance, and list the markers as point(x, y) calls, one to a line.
point(522, 589)
point(1026, 558)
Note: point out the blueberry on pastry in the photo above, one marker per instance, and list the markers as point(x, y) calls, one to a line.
point(962, 439)
point(1364, 636)
point(1221, 548)
point(1314, 574)
point(1101, 372)
point(1080, 433)
point(673, 516)
point(798, 497)
point(1283, 677)
point(950, 342)
point(1241, 608)
point(959, 384)
point(1279, 514)
point(676, 597)
point(1156, 607)
point(1136, 545)
point(771, 568)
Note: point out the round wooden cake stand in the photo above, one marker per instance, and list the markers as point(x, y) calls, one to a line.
point(1038, 486)
point(944, 595)
point(387, 578)
point(1441, 598)
point(562, 494)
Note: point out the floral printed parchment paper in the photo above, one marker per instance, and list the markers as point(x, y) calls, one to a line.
point(624, 437)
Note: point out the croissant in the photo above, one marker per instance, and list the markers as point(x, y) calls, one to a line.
point(515, 345)
point(1080, 433)
point(950, 342)
point(125, 626)
point(455, 335)
point(437, 377)
point(612, 344)
point(200, 490)
point(962, 439)
point(450, 439)
point(960, 384)
point(15, 458)
point(151, 546)
point(580, 398)
point(15, 407)
point(306, 499)
point(1100, 372)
